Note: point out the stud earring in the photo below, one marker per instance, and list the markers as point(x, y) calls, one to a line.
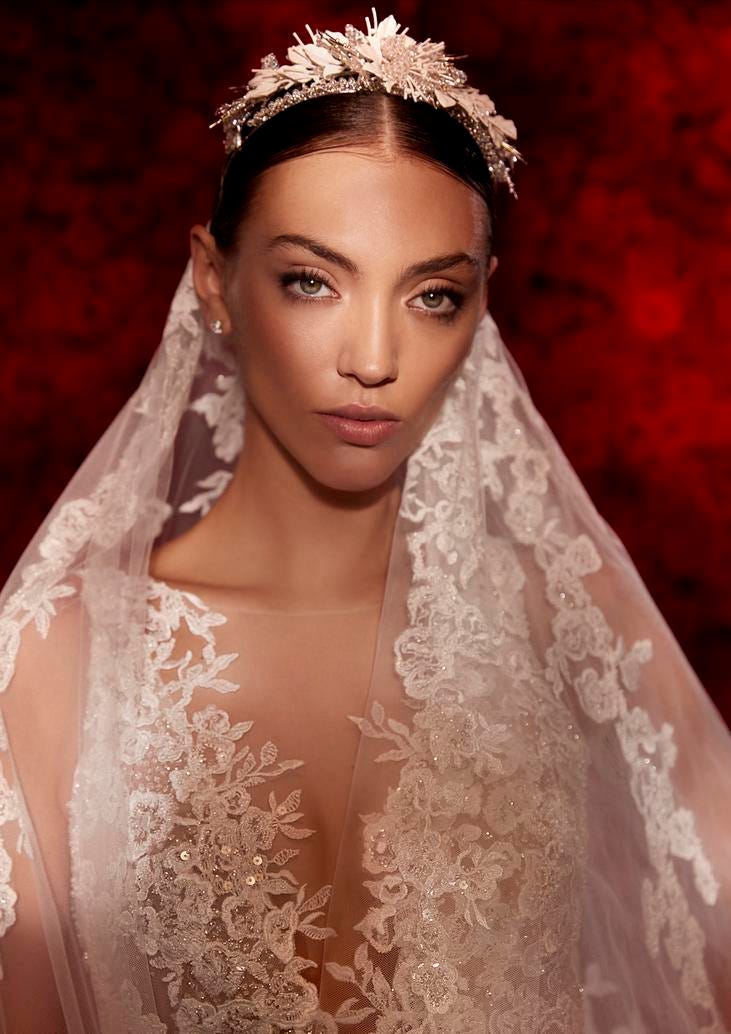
point(216, 326)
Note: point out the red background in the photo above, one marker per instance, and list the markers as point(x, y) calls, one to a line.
point(613, 290)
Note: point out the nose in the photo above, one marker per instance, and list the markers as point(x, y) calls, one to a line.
point(370, 351)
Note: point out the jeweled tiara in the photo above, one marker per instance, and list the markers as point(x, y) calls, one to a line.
point(380, 59)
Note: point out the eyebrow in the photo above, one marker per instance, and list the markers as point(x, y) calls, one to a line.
point(425, 268)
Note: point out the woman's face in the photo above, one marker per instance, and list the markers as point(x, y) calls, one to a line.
point(357, 280)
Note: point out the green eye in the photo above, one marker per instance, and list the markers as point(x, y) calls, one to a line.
point(309, 284)
point(429, 297)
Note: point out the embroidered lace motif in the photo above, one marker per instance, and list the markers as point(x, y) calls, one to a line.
point(213, 903)
point(208, 853)
point(587, 654)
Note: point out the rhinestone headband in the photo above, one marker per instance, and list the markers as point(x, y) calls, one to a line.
point(380, 59)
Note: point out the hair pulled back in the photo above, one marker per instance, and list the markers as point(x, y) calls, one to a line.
point(386, 121)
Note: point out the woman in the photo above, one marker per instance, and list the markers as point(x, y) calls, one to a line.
point(364, 719)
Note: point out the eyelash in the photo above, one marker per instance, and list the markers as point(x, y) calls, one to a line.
point(295, 276)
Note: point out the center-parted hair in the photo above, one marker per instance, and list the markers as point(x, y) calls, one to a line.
point(386, 122)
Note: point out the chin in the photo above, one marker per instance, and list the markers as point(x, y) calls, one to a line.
point(359, 473)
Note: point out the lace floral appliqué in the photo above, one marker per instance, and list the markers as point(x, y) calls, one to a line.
point(212, 902)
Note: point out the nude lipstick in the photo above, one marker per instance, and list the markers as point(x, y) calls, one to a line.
point(361, 425)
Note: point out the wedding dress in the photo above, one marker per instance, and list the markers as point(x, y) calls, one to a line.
point(496, 803)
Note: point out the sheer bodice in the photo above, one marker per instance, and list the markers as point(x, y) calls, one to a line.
point(245, 762)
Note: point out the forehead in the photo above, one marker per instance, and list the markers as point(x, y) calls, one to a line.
point(363, 202)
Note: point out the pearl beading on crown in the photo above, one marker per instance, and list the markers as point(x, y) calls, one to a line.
point(380, 59)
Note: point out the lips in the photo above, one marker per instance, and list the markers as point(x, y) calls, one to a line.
point(354, 411)
point(361, 425)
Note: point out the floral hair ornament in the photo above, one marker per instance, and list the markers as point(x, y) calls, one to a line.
point(380, 59)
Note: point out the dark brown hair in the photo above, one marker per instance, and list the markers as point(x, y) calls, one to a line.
point(336, 120)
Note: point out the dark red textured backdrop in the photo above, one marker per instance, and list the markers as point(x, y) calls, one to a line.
point(615, 277)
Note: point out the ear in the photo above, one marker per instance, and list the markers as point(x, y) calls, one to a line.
point(492, 266)
point(208, 276)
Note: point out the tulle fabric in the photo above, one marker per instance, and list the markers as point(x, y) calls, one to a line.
point(535, 834)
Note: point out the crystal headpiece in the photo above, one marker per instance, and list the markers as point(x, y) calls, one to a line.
point(380, 59)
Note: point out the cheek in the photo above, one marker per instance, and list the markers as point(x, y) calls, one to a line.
point(279, 354)
point(429, 371)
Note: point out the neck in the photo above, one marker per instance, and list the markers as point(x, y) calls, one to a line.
point(287, 539)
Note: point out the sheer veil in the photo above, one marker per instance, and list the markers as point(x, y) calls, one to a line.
point(538, 815)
